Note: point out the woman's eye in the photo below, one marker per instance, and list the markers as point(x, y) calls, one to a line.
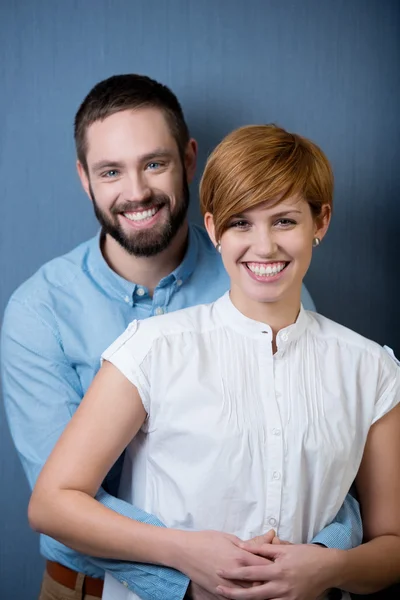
point(241, 224)
point(285, 222)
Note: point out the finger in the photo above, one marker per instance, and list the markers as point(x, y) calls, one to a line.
point(255, 593)
point(256, 573)
point(270, 551)
point(266, 538)
point(276, 541)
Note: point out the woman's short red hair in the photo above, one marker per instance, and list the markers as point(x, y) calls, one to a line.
point(261, 163)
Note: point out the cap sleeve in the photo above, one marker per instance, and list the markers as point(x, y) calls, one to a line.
point(389, 387)
point(129, 354)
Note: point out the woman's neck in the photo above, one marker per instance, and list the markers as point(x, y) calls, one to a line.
point(277, 315)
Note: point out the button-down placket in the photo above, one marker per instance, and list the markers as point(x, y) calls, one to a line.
point(273, 427)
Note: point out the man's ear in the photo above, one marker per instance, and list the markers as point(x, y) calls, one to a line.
point(190, 159)
point(83, 177)
point(210, 227)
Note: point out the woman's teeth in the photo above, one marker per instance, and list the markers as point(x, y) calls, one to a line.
point(266, 269)
point(141, 214)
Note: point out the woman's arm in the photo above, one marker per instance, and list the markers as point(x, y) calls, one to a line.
point(305, 571)
point(376, 564)
point(63, 504)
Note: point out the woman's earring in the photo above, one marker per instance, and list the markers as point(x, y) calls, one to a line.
point(218, 247)
point(316, 242)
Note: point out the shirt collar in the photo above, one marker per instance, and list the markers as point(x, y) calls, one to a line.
point(237, 320)
point(124, 289)
point(183, 271)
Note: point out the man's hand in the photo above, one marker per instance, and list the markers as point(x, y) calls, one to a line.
point(299, 572)
point(201, 554)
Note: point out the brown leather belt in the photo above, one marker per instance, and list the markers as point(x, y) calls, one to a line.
point(67, 577)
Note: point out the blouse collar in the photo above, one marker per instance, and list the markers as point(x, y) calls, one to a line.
point(232, 317)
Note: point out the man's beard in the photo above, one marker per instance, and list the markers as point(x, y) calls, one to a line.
point(148, 242)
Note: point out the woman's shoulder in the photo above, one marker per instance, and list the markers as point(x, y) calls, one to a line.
point(343, 337)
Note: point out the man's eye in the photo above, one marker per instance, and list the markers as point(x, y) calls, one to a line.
point(153, 165)
point(110, 174)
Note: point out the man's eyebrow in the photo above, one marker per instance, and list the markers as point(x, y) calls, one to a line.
point(106, 164)
point(113, 164)
point(157, 153)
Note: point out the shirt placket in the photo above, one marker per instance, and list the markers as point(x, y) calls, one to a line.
point(273, 445)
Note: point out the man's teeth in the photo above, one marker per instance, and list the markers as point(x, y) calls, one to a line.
point(267, 270)
point(141, 215)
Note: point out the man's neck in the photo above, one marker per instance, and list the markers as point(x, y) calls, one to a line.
point(146, 271)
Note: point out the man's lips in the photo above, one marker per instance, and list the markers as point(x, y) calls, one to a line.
point(143, 217)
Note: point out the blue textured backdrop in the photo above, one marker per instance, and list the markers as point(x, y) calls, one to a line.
point(329, 70)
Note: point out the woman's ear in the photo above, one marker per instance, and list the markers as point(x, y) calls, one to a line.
point(210, 227)
point(322, 222)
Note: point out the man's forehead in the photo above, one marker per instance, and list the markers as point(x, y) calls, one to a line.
point(139, 131)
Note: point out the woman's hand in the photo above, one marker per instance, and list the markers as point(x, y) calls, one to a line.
point(201, 554)
point(298, 572)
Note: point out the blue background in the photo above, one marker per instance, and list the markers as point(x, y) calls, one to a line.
point(325, 69)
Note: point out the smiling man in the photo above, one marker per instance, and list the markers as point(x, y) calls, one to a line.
point(135, 161)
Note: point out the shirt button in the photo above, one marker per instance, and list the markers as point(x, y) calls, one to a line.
point(159, 311)
point(272, 522)
point(127, 299)
point(124, 583)
point(276, 431)
point(179, 282)
point(285, 337)
point(276, 475)
point(140, 292)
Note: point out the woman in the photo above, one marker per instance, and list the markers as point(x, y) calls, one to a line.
point(242, 415)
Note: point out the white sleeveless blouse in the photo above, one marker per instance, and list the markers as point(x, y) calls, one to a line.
point(238, 439)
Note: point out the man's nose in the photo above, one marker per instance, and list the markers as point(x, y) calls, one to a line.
point(137, 189)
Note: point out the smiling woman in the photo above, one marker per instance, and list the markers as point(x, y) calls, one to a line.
point(240, 415)
point(266, 195)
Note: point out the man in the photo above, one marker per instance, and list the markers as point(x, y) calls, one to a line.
point(135, 161)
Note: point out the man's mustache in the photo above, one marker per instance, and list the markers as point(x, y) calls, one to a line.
point(153, 202)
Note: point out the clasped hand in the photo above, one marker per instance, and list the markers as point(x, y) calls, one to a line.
point(222, 566)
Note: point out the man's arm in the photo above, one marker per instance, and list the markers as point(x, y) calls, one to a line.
point(39, 387)
point(345, 531)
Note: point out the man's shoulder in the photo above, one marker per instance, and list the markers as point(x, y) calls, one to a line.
point(55, 274)
point(142, 336)
point(191, 320)
point(209, 262)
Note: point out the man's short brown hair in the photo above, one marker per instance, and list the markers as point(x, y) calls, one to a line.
point(261, 163)
point(125, 92)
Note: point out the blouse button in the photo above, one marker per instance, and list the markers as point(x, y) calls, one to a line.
point(272, 522)
point(285, 337)
point(276, 475)
point(276, 431)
